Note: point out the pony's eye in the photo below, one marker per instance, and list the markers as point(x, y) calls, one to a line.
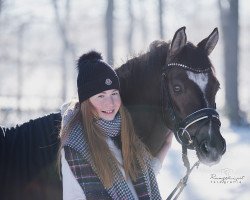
point(177, 88)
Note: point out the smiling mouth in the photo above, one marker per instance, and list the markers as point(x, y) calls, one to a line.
point(108, 111)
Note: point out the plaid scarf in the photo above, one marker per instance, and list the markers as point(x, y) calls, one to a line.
point(110, 128)
point(78, 156)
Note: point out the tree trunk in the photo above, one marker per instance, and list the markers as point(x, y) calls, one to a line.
point(131, 27)
point(109, 31)
point(19, 67)
point(1, 6)
point(62, 24)
point(143, 23)
point(230, 30)
point(160, 18)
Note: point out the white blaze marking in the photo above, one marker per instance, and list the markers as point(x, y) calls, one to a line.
point(201, 80)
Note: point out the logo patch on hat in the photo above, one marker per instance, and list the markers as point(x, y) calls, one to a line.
point(108, 81)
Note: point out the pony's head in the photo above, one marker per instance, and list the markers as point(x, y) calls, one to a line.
point(189, 87)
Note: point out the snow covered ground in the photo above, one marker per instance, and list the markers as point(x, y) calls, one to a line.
point(228, 180)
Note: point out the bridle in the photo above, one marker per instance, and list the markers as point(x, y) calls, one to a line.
point(180, 125)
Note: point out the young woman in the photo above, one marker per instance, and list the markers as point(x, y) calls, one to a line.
point(100, 155)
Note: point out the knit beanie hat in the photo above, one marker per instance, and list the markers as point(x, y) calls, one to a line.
point(94, 76)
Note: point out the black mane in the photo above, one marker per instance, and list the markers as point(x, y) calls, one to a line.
point(130, 74)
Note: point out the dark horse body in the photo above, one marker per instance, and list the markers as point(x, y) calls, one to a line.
point(159, 93)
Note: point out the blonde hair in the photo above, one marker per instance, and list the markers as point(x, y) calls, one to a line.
point(133, 150)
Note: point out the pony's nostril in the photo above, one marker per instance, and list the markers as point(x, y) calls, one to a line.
point(204, 148)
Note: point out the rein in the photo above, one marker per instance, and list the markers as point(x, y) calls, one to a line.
point(183, 182)
point(181, 125)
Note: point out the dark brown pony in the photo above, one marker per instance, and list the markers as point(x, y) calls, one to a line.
point(173, 87)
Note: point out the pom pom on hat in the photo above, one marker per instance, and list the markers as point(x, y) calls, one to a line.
point(90, 56)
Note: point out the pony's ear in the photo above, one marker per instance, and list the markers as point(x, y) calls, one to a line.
point(210, 42)
point(179, 40)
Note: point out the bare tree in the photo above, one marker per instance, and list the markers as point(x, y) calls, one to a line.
point(109, 31)
point(143, 22)
point(20, 49)
point(230, 29)
point(131, 26)
point(62, 24)
point(1, 12)
point(1, 6)
point(160, 18)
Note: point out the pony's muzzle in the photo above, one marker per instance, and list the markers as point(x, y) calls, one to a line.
point(210, 154)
